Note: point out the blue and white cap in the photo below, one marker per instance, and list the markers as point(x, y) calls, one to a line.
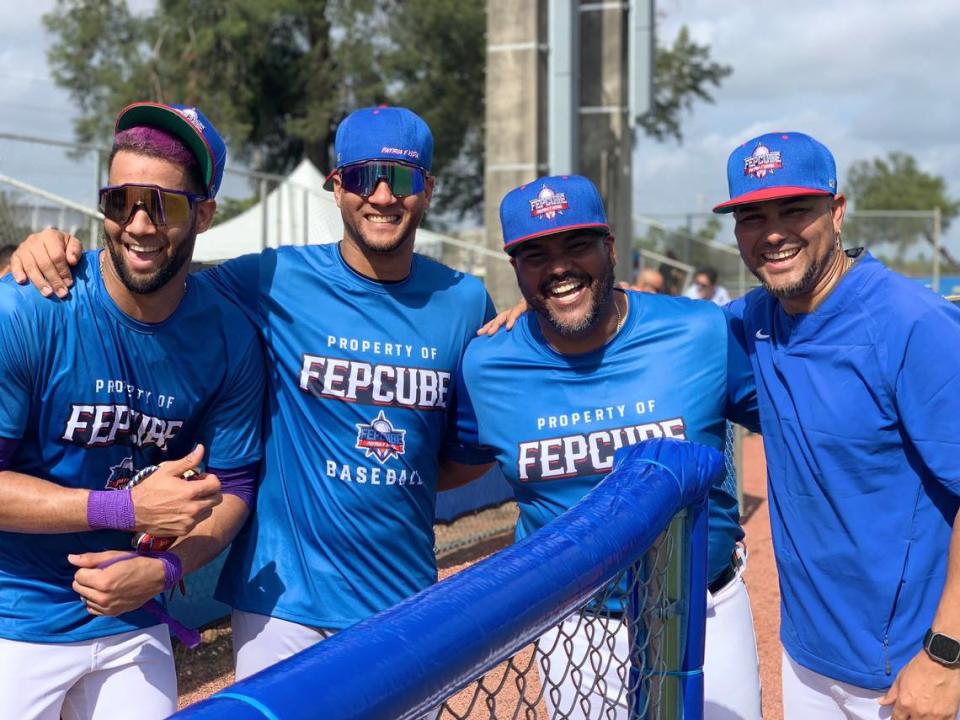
point(390, 134)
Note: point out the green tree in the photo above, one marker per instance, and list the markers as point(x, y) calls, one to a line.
point(267, 69)
point(683, 73)
point(278, 76)
point(896, 183)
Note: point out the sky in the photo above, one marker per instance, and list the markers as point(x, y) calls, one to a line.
point(866, 77)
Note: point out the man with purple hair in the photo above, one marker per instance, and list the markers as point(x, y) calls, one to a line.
point(111, 397)
point(364, 338)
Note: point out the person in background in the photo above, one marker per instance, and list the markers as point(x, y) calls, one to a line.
point(705, 287)
point(648, 280)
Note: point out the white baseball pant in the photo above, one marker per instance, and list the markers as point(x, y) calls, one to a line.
point(260, 641)
point(130, 675)
point(808, 695)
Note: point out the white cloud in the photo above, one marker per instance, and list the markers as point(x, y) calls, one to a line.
point(864, 77)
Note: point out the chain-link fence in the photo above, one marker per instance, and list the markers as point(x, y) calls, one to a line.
point(679, 245)
point(603, 661)
point(908, 241)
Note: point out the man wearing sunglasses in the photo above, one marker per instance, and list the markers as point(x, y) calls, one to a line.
point(107, 394)
point(364, 340)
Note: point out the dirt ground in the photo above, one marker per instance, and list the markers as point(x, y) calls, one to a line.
point(761, 574)
point(209, 668)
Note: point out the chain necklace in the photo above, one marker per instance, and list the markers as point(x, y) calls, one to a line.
point(616, 306)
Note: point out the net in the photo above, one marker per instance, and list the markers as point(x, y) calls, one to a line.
point(592, 617)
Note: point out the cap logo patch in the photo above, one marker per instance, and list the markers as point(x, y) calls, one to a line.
point(400, 151)
point(761, 162)
point(191, 115)
point(548, 204)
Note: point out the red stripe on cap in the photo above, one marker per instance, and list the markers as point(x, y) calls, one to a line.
point(556, 231)
point(328, 180)
point(773, 193)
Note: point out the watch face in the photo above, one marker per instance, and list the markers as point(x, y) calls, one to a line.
point(944, 648)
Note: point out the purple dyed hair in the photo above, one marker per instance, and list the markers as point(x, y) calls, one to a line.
point(157, 143)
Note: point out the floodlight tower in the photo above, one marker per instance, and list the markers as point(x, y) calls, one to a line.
point(566, 82)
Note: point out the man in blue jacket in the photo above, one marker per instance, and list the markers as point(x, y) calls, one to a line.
point(859, 393)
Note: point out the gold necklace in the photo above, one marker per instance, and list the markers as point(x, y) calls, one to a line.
point(616, 306)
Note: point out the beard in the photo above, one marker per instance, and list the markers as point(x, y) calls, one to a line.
point(807, 281)
point(149, 284)
point(369, 246)
point(601, 298)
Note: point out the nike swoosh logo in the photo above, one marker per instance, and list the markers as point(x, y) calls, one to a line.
point(761, 335)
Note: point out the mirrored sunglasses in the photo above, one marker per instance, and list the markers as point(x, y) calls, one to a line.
point(164, 206)
point(362, 179)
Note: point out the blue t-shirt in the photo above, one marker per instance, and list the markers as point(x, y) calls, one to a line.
point(361, 377)
point(555, 420)
point(860, 409)
point(93, 396)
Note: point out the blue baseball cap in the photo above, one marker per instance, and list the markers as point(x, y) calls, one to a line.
point(189, 125)
point(392, 134)
point(551, 205)
point(779, 165)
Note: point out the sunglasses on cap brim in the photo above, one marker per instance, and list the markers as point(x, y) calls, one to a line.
point(363, 178)
point(120, 203)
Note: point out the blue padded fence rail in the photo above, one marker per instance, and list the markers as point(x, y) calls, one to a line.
point(409, 658)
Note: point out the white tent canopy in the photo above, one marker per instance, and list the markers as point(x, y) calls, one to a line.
point(297, 212)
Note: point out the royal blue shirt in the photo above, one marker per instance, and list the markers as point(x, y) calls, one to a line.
point(555, 420)
point(860, 409)
point(92, 396)
point(361, 376)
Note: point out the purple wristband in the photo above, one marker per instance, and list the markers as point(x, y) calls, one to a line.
point(172, 568)
point(110, 510)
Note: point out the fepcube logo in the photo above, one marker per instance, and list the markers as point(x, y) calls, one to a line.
point(380, 439)
point(548, 204)
point(761, 162)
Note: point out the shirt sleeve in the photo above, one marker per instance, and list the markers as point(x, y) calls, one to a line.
point(928, 392)
point(232, 430)
point(742, 404)
point(238, 280)
point(8, 448)
point(490, 311)
point(462, 443)
point(17, 347)
point(241, 481)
